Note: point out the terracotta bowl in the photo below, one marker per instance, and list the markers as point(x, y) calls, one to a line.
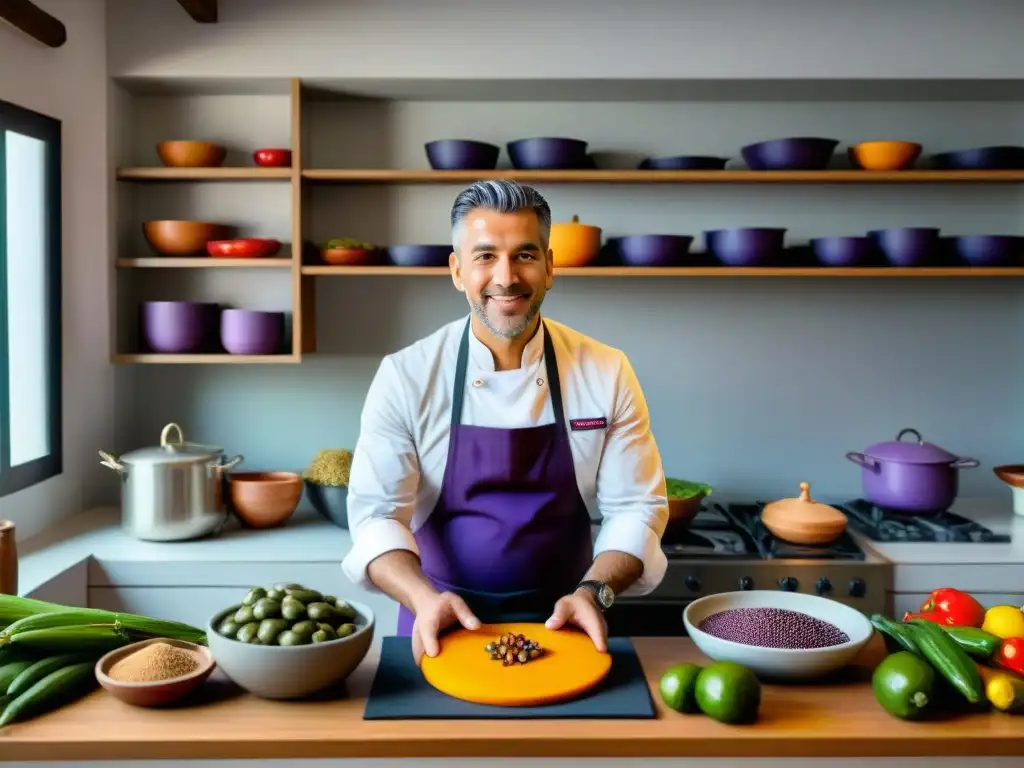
point(265, 499)
point(191, 154)
point(347, 257)
point(160, 693)
point(183, 238)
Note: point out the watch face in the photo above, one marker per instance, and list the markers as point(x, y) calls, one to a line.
point(605, 595)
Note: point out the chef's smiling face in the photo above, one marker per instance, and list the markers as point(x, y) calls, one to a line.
point(504, 268)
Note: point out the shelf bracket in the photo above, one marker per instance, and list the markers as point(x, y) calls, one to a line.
point(201, 11)
point(29, 18)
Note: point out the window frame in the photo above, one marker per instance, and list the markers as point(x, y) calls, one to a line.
point(49, 131)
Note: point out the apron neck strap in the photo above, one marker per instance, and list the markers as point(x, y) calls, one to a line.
point(550, 365)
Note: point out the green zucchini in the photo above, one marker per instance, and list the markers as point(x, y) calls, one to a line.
point(57, 688)
point(977, 642)
point(8, 672)
point(949, 659)
point(897, 636)
point(95, 637)
point(35, 672)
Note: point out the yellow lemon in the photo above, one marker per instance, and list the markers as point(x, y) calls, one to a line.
point(1004, 621)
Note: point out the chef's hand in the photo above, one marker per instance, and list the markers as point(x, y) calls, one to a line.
point(435, 615)
point(580, 609)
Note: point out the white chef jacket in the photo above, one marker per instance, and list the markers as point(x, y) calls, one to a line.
point(402, 449)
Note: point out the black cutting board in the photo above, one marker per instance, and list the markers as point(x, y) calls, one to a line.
point(400, 692)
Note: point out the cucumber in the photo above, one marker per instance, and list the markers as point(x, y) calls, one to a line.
point(95, 637)
point(949, 659)
point(897, 636)
point(8, 672)
point(60, 687)
point(977, 642)
point(35, 672)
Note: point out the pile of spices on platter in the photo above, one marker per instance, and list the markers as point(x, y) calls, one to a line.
point(156, 662)
point(513, 649)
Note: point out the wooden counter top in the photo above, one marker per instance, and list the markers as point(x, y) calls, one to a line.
point(837, 720)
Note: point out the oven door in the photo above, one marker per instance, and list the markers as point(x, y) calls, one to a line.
point(646, 618)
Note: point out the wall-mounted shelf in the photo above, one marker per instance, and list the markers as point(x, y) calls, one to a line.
point(211, 359)
point(204, 174)
point(724, 272)
point(199, 262)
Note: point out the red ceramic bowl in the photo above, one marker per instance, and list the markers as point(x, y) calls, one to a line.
point(243, 248)
point(273, 158)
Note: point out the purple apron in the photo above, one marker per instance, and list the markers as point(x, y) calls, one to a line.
point(510, 533)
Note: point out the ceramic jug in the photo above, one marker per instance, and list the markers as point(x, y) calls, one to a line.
point(8, 559)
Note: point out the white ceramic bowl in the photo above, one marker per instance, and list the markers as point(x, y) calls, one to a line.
point(290, 672)
point(780, 663)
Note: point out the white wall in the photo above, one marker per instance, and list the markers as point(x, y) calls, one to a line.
point(70, 84)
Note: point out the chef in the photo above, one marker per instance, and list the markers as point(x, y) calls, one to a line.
point(485, 447)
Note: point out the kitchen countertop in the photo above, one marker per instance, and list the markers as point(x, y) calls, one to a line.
point(837, 720)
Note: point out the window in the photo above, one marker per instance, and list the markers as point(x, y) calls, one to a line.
point(30, 298)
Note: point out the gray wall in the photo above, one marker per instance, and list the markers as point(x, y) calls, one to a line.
point(754, 385)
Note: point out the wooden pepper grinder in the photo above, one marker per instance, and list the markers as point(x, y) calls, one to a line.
point(8, 559)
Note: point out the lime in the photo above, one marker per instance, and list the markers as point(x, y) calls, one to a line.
point(677, 687)
point(904, 684)
point(728, 692)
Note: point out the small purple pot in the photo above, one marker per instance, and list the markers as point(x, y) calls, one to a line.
point(684, 163)
point(251, 332)
point(419, 255)
point(909, 246)
point(912, 478)
point(746, 247)
point(546, 153)
point(462, 155)
point(1000, 158)
point(653, 250)
point(796, 154)
point(844, 251)
point(990, 250)
point(178, 327)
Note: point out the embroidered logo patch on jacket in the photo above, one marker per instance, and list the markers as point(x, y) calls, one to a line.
point(580, 425)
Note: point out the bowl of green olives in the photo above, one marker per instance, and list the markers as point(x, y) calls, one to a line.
point(289, 641)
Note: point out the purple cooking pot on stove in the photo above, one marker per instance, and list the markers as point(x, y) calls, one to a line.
point(910, 477)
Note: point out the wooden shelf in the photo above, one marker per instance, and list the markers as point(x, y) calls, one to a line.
point(212, 359)
point(371, 176)
point(820, 272)
point(203, 174)
point(202, 262)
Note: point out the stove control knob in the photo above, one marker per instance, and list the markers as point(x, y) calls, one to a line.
point(693, 583)
point(823, 586)
point(857, 588)
point(746, 583)
point(788, 583)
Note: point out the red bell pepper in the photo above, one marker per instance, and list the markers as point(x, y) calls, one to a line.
point(1010, 655)
point(960, 609)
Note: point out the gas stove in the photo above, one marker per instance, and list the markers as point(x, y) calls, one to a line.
point(879, 524)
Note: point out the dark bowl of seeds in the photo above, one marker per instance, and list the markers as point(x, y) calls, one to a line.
point(778, 635)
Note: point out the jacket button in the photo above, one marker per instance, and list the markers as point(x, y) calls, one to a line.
point(478, 382)
point(540, 382)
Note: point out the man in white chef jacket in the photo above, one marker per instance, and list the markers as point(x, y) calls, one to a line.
point(484, 446)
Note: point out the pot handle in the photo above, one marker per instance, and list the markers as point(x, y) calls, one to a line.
point(165, 435)
point(231, 463)
point(964, 463)
point(909, 431)
point(111, 463)
point(862, 459)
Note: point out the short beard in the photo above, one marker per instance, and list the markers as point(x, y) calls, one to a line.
point(509, 332)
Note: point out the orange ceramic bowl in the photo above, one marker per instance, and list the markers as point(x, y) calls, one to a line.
point(265, 499)
point(573, 244)
point(884, 155)
point(191, 154)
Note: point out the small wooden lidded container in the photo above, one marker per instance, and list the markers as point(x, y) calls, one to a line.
point(803, 520)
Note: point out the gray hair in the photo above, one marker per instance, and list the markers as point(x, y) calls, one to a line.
point(504, 197)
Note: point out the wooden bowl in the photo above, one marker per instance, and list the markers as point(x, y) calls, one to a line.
point(265, 499)
point(183, 238)
point(191, 154)
point(347, 257)
point(160, 693)
point(681, 513)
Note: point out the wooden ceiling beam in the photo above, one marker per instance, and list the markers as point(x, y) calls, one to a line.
point(28, 17)
point(201, 11)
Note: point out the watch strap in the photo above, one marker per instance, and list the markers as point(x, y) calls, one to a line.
point(595, 588)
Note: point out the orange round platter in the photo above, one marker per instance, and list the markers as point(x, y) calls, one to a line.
point(569, 666)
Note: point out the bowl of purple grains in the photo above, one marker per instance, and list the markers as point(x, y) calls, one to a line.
point(777, 635)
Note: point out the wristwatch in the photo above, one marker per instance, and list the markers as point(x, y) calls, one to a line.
point(603, 594)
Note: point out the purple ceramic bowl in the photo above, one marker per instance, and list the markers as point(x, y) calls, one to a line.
point(653, 250)
point(549, 154)
point(419, 255)
point(990, 250)
point(746, 247)
point(844, 251)
point(684, 163)
point(1005, 158)
point(462, 155)
point(909, 246)
point(796, 154)
point(178, 327)
point(251, 332)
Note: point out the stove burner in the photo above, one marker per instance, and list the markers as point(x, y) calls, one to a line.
point(710, 534)
point(880, 524)
point(773, 548)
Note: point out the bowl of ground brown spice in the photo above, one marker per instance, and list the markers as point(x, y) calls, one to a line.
point(155, 672)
